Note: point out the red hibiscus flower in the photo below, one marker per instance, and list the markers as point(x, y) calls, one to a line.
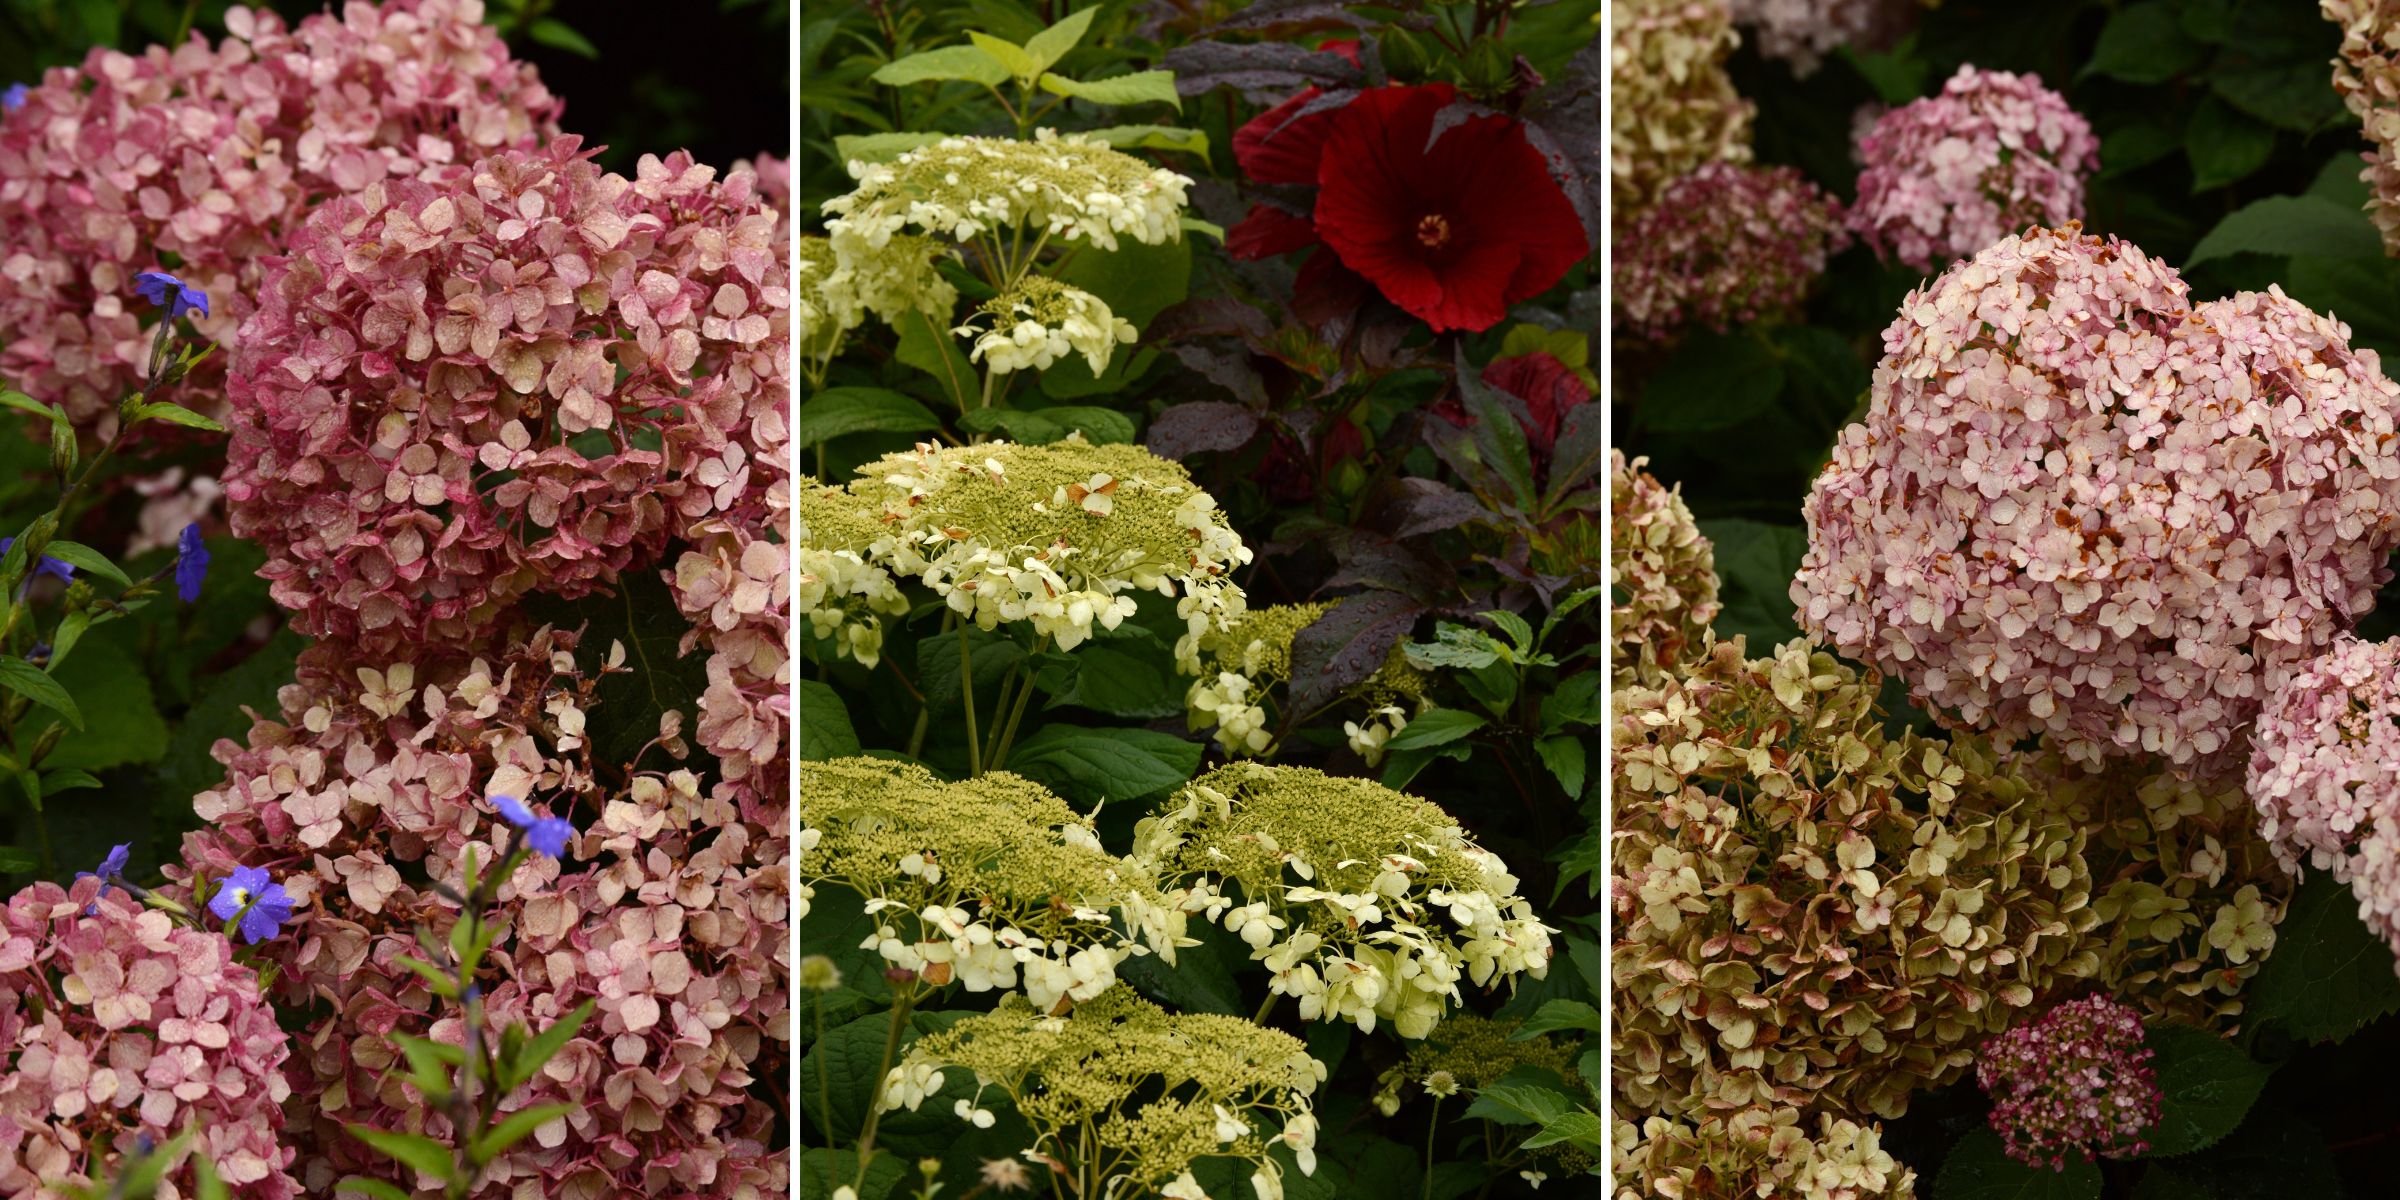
point(1453, 229)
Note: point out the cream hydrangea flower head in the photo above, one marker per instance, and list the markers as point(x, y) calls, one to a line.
point(1157, 1090)
point(1040, 321)
point(974, 883)
point(844, 592)
point(1756, 1151)
point(1665, 570)
point(1246, 659)
point(1366, 904)
point(1674, 106)
point(1888, 901)
point(1065, 186)
point(1469, 1051)
point(1056, 535)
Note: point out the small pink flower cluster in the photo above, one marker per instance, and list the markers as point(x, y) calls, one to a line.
point(1948, 175)
point(2325, 774)
point(525, 380)
point(2078, 506)
point(1803, 32)
point(117, 1023)
point(2078, 1078)
point(212, 153)
point(1724, 245)
point(669, 910)
point(2367, 74)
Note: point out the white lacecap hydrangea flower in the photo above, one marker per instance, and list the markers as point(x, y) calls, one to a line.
point(1068, 187)
point(1040, 321)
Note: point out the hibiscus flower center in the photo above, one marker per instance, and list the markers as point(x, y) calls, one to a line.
point(1433, 231)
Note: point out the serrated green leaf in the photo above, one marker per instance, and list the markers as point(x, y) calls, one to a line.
point(930, 347)
point(841, 411)
point(1441, 726)
point(1521, 1104)
point(2144, 43)
point(881, 147)
point(2327, 974)
point(1581, 1128)
point(1008, 54)
point(2206, 1086)
point(557, 34)
point(2288, 225)
point(2224, 145)
point(1159, 137)
point(1565, 755)
point(968, 63)
point(825, 730)
point(1090, 765)
point(1141, 87)
point(359, 1185)
point(1555, 1015)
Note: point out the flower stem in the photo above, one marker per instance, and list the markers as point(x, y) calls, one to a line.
point(1432, 1123)
point(966, 696)
point(891, 1046)
point(1260, 1017)
point(1008, 737)
point(992, 739)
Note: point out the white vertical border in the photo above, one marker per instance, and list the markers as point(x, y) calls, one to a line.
point(1608, 741)
point(791, 634)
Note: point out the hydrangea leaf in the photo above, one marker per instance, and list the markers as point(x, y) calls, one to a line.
point(2328, 975)
point(643, 616)
point(1714, 381)
point(1201, 981)
point(1011, 56)
point(1087, 766)
point(1052, 44)
point(938, 666)
point(1122, 682)
point(825, 730)
point(1756, 561)
point(882, 147)
point(2145, 43)
point(2206, 1085)
point(823, 1170)
point(1555, 1015)
point(840, 411)
point(1158, 137)
point(1978, 1169)
point(2284, 225)
point(969, 63)
point(1141, 87)
point(1581, 1128)
point(2224, 145)
point(1527, 1095)
point(1441, 726)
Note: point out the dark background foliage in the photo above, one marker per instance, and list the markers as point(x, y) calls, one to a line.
point(2205, 109)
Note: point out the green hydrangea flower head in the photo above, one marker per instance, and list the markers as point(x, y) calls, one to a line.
point(1125, 1096)
point(844, 592)
point(1056, 535)
point(1365, 904)
point(978, 882)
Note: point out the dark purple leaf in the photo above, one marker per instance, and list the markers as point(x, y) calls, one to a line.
point(1263, 72)
point(1454, 114)
point(1228, 368)
point(1188, 429)
point(1394, 566)
point(1578, 454)
point(1264, 14)
point(1563, 124)
point(1421, 506)
point(1346, 645)
point(1207, 316)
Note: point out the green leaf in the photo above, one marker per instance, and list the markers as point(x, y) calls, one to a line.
point(2327, 974)
point(2287, 95)
point(1521, 1104)
point(1978, 1169)
point(2206, 1085)
point(1052, 44)
point(882, 147)
point(34, 684)
point(359, 1185)
point(1756, 562)
point(1201, 979)
point(1897, 77)
point(1581, 1128)
point(1137, 282)
point(1555, 1015)
point(2143, 139)
point(1008, 54)
point(552, 32)
point(2273, 1156)
point(54, 782)
point(825, 730)
point(1091, 765)
point(408, 1149)
point(82, 557)
point(841, 411)
point(969, 63)
point(2145, 43)
point(435, 977)
point(25, 403)
point(843, 1064)
point(113, 692)
point(1195, 224)
point(937, 666)
point(1120, 684)
point(1436, 728)
point(514, 1127)
point(1564, 754)
point(2224, 146)
point(1141, 87)
point(174, 414)
point(206, 1183)
point(822, 1171)
point(2286, 225)
point(930, 348)
point(1714, 381)
point(1159, 137)
point(543, 1046)
point(187, 768)
point(642, 615)
point(16, 860)
point(1042, 426)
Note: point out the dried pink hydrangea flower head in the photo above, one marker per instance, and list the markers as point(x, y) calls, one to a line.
point(1803, 32)
point(1767, 1150)
point(1665, 570)
point(2325, 774)
point(1950, 174)
point(1724, 245)
point(213, 154)
point(2367, 74)
point(529, 379)
point(121, 1023)
point(1831, 925)
point(2079, 507)
point(670, 910)
point(2078, 1079)
point(1675, 107)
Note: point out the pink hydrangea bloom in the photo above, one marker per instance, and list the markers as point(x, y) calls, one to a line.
point(1803, 32)
point(670, 911)
point(122, 1023)
point(1725, 244)
point(526, 380)
point(212, 153)
point(1948, 175)
point(2076, 1079)
point(2325, 774)
point(2079, 507)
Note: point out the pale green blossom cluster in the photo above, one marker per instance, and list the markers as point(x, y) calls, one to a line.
point(844, 594)
point(991, 883)
point(1245, 660)
point(1055, 535)
point(1040, 321)
point(1365, 904)
point(1124, 1097)
point(1058, 185)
